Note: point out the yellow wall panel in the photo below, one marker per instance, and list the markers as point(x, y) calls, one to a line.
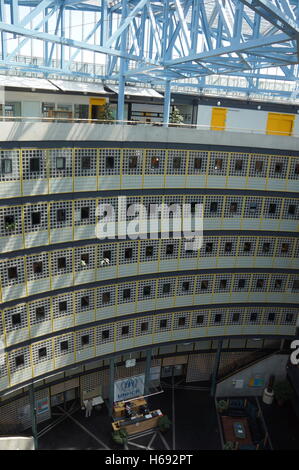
point(218, 120)
point(280, 124)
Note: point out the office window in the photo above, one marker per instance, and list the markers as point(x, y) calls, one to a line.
point(292, 209)
point(253, 317)
point(235, 317)
point(110, 163)
point(247, 247)
point(61, 263)
point(177, 163)
point(278, 168)
point(166, 288)
point(84, 213)
point(238, 165)
point(9, 222)
point(241, 283)
point(147, 290)
point(34, 164)
point(209, 247)
point(272, 208)
point(155, 162)
point(199, 319)
point(84, 340)
point(128, 253)
point(233, 207)
point(284, 248)
point(37, 267)
point(169, 249)
point(149, 251)
point(185, 286)
point(259, 166)
point(63, 306)
point(222, 283)
point(260, 283)
point(85, 163)
point(182, 321)
point(106, 297)
point(163, 323)
point(40, 313)
point(296, 284)
point(289, 317)
point(218, 317)
point(42, 352)
point(204, 285)
point(297, 169)
point(271, 316)
point(19, 360)
point(197, 163)
point(144, 326)
point(125, 330)
point(218, 164)
point(266, 247)
point(35, 218)
point(64, 345)
point(60, 163)
point(277, 284)
point(85, 301)
point(60, 215)
point(12, 272)
point(228, 247)
point(213, 206)
point(105, 334)
point(133, 161)
point(85, 259)
point(16, 319)
point(6, 166)
point(126, 293)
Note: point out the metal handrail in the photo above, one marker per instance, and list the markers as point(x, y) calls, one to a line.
point(130, 123)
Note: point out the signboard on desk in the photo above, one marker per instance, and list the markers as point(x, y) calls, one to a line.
point(130, 387)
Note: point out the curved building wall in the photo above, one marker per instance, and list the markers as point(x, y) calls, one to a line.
point(61, 306)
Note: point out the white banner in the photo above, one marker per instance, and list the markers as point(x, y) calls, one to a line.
point(131, 387)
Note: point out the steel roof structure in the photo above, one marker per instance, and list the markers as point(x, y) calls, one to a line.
point(170, 42)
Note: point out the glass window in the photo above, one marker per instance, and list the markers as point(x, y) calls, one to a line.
point(35, 218)
point(128, 253)
point(16, 319)
point(12, 272)
point(19, 360)
point(144, 326)
point(147, 290)
point(84, 213)
point(85, 301)
point(133, 161)
point(60, 163)
point(126, 293)
point(61, 215)
point(155, 162)
point(63, 306)
point(199, 319)
point(166, 288)
point(34, 164)
point(6, 166)
point(42, 352)
point(177, 163)
point(125, 330)
point(40, 313)
point(106, 297)
point(37, 267)
point(163, 323)
point(84, 340)
point(105, 334)
point(197, 163)
point(238, 165)
point(64, 345)
point(110, 163)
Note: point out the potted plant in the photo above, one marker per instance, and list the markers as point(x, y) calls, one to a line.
point(283, 392)
point(222, 405)
point(229, 445)
point(108, 115)
point(175, 116)
point(164, 423)
point(120, 436)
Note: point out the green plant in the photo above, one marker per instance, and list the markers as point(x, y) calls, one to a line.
point(229, 445)
point(175, 116)
point(283, 391)
point(222, 405)
point(164, 423)
point(10, 226)
point(120, 436)
point(108, 113)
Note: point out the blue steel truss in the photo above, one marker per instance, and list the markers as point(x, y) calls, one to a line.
point(170, 42)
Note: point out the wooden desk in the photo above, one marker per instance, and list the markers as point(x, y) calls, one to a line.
point(119, 409)
point(229, 433)
point(133, 427)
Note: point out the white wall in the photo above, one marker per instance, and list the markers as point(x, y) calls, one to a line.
point(275, 364)
point(46, 97)
point(204, 116)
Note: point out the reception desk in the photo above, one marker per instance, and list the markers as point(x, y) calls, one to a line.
point(119, 409)
point(139, 423)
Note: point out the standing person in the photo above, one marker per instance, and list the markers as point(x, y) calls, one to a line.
point(88, 408)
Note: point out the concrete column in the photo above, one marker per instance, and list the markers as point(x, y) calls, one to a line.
point(147, 370)
point(166, 104)
point(33, 415)
point(216, 368)
point(111, 385)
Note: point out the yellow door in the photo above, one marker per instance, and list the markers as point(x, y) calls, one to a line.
point(218, 119)
point(280, 124)
point(96, 108)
